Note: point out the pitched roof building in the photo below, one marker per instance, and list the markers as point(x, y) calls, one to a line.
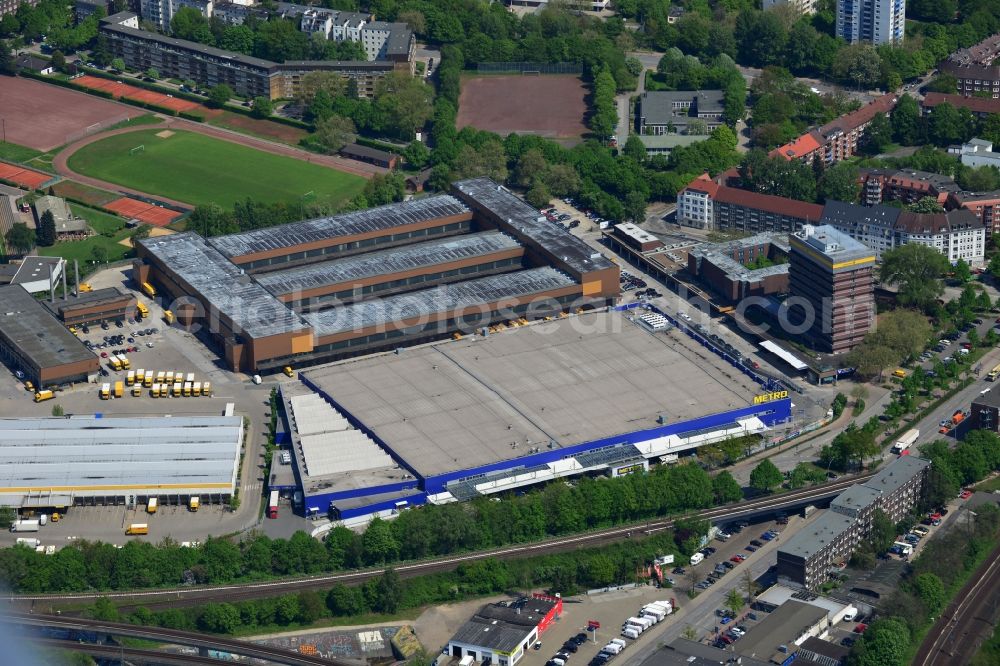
point(838, 139)
point(707, 205)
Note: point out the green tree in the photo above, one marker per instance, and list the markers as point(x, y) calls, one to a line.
point(947, 125)
point(886, 642)
point(8, 66)
point(212, 220)
point(877, 136)
point(20, 238)
point(333, 133)
point(635, 148)
point(765, 476)
point(962, 271)
point(930, 590)
point(735, 600)
point(883, 532)
point(190, 24)
point(105, 610)
point(219, 618)
point(379, 543)
point(118, 65)
point(925, 205)
point(220, 95)
point(99, 254)
point(345, 601)
point(388, 592)
point(725, 488)
point(530, 168)
point(153, 73)
point(45, 234)
point(310, 607)
point(416, 154)
point(262, 107)
point(58, 60)
point(916, 270)
point(839, 183)
point(539, 195)
point(907, 123)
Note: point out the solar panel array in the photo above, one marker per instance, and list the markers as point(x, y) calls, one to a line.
point(82, 453)
point(444, 298)
point(329, 444)
point(346, 224)
point(223, 285)
point(385, 262)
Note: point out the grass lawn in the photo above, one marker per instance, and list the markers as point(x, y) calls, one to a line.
point(989, 485)
point(199, 170)
point(102, 223)
point(17, 153)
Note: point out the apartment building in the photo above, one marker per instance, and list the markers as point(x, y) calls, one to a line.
point(805, 7)
point(209, 66)
point(871, 21)
point(806, 559)
point(977, 106)
point(905, 185)
point(10, 6)
point(974, 68)
point(830, 278)
point(705, 204)
point(838, 139)
point(671, 111)
point(161, 12)
point(984, 205)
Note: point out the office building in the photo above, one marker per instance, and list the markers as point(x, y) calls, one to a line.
point(807, 558)
point(672, 111)
point(830, 278)
point(871, 21)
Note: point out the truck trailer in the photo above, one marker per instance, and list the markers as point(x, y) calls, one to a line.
point(908, 439)
point(25, 526)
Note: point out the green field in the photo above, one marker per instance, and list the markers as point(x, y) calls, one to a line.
point(109, 230)
point(199, 170)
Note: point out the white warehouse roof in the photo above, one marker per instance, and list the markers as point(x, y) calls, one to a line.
point(89, 456)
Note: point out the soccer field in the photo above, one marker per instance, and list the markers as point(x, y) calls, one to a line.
point(197, 169)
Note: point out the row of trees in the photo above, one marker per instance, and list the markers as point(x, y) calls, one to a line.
point(388, 594)
point(423, 532)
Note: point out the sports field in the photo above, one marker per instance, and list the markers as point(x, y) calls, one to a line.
point(551, 105)
point(197, 169)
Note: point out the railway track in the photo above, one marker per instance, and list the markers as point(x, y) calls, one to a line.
point(191, 595)
point(172, 636)
point(968, 620)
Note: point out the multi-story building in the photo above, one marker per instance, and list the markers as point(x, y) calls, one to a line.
point(592, 5)
point(161, 12)
point(905, 185)
point(838, 139)
point(957, 234)
point(707, 205)
point(985, 412)
point(802, 6)
point(336, 25)
point(726, 267)
point(209, 66)
point(982, 204)
point(806, 558)
point(84, 8)
point(871, 21)
point(671, 111)
point(974, 68)
point(10, 6)
point(977, 153)
point(977, 106)
point(388, 41)
point(830, 280)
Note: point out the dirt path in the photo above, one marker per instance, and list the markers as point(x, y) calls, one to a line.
point(60, 162)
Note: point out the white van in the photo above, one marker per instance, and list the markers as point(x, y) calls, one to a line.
point(697, 558)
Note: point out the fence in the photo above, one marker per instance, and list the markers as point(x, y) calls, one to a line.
point(529, 68)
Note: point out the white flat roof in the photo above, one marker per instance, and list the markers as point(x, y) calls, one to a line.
point(784, 355)
point(88, 456)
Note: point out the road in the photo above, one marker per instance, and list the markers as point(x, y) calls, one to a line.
point(189, 595)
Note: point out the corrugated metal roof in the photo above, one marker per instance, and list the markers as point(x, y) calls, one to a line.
point(224, 285)
point(329, 444)
point(385, 262)
point(82, 452)
point(444, 298)
point(347, 224)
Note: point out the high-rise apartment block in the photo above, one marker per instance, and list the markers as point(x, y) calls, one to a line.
point(872, 21)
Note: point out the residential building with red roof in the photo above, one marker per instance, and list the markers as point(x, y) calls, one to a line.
point(979, 106)
point(838, 139)
point(707, 205)
point(906, 185)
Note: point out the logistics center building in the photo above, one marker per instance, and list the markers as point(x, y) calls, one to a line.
point(59, 462)
point(448, 421)
point(303, 293)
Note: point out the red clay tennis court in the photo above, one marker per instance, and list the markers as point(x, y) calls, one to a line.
point(140, 210)
point(22, 176)
point(119, 89)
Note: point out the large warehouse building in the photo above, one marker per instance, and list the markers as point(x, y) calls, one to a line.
point(303, 293)
point(59, 462)
point(597, 392)
point(34, 342)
